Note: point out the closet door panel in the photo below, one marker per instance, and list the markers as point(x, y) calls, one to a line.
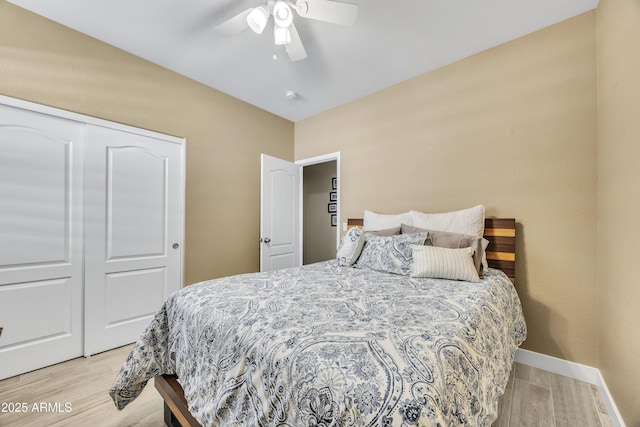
point(50, 299)
point(133, 219)
point(35, 215)
point(33, 188)
point(136, 203)
point(41, 192)
point(132, 294)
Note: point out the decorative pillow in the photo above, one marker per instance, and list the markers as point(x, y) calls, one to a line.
point(443, 263)
point(376, 221)
point(353, 241)
point(446, 239)
point(350, 247)
point(466, 221)
point(390, 254)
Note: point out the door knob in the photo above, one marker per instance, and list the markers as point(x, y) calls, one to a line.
point(175, 246)
point(267, 240)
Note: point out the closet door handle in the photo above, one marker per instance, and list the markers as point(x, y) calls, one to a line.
point(175, 246)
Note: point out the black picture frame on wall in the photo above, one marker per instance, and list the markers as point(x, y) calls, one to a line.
point(332, 207)
point(333, 196)
point(334, 183)
point(334, 220)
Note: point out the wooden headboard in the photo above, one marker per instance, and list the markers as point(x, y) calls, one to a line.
point(501, 252)
point(501, 234)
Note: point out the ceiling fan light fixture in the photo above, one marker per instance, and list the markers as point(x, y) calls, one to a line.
point(282, 14)
point(257, 19)
point(284, 29)
point(281, 35)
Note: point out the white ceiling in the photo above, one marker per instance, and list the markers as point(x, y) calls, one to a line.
point(391, 41)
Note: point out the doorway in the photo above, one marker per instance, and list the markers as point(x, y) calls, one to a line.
point(319, 212)
point(320, 187)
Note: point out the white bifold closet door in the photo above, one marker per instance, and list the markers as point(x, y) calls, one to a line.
point(132, 233)
point(41, 247)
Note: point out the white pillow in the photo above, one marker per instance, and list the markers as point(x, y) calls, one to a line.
point(350, 247)
point(443, 263)
point(466, 221)
point(374, 221)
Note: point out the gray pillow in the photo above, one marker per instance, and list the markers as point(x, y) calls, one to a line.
point(388, 232)
point(447, 239)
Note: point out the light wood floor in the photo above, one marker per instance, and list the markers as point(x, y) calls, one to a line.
point(532, 398)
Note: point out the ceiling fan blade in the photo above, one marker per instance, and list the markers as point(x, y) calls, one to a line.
point(295, 49)
point(328, 11)
point(235, 24)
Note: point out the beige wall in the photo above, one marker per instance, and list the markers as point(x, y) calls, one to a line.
point(319, 241)
point(619, 201)
point(513, 128)
point(43, 62)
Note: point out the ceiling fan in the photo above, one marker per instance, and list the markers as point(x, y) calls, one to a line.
point(284, 31)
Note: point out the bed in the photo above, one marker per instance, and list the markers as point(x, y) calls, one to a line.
point(332, 345)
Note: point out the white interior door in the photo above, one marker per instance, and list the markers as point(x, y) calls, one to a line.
point(279, 214)
point(40, 240)
point(133, 227)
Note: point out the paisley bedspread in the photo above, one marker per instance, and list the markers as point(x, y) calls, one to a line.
point(324, 345)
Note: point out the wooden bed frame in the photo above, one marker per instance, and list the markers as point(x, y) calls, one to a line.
point(176, 412)
point(501, 254)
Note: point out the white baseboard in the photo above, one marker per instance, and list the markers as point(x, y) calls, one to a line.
point(575, 371)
